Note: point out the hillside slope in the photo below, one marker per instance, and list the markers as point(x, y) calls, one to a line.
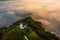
point(34, 31)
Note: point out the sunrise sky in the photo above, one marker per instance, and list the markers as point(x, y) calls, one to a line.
point(47, 10)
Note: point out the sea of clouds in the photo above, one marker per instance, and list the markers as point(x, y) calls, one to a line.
point(46, 11)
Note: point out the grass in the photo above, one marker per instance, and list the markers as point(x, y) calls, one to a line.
point(34, 31)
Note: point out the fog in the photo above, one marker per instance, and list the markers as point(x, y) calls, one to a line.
point(45, 11)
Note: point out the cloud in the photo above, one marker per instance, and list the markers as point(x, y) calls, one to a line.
point(9, 14)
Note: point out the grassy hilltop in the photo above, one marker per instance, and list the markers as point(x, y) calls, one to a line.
point(34, 31)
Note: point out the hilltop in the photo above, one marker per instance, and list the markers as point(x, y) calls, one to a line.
point(34, 31)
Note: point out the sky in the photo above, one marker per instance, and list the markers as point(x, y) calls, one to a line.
point(45, 11)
